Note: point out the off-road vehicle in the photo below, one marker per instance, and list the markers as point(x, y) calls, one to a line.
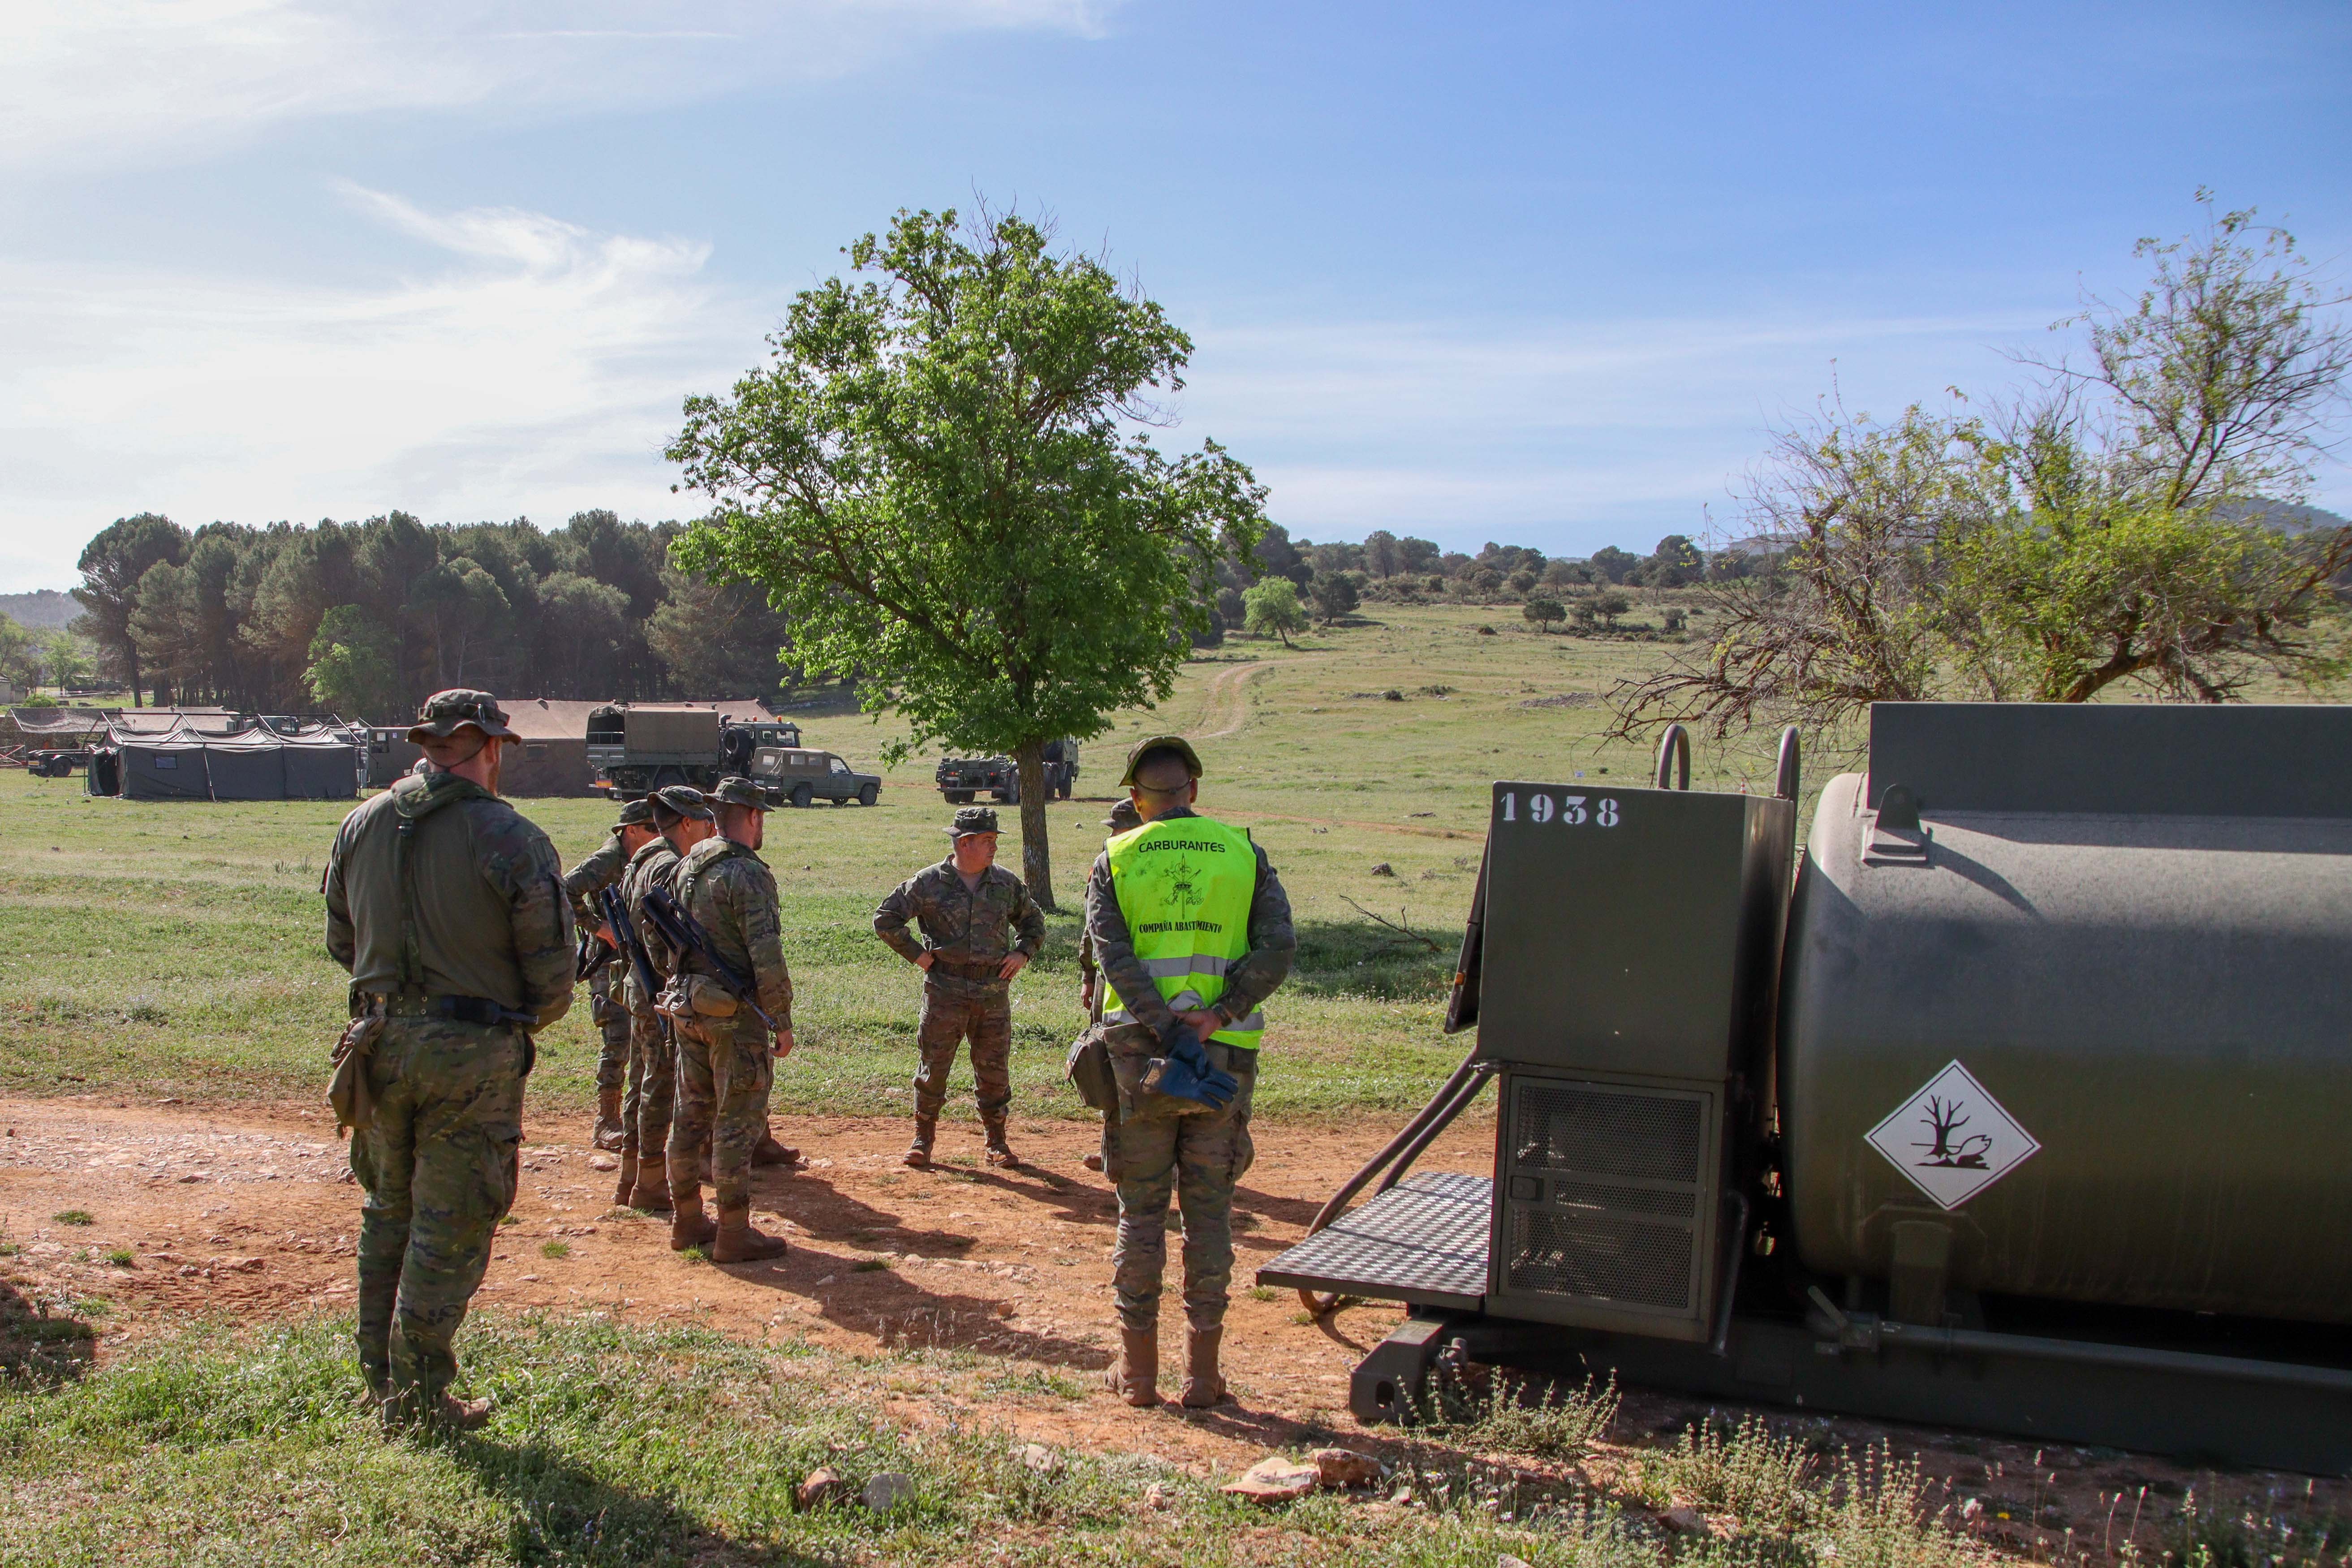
point(794, 775)
point(964, 779)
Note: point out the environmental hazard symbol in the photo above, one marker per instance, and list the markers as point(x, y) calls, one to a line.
point(1952, 1139)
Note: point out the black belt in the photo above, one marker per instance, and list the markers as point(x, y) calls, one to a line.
point(457, 1009)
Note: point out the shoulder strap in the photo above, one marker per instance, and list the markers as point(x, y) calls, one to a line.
point(403, 872)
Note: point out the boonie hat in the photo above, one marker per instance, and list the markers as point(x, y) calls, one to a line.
point(1124, 817)
point(682, 800)
point(446, 713)
point(1150, 743)
point(973, 819)
point(632, 813)
point(737, 789)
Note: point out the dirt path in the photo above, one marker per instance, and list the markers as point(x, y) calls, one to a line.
point(250, 1212)
point(1224, 706)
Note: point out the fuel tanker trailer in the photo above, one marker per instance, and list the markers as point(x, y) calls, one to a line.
point(2019, 1099)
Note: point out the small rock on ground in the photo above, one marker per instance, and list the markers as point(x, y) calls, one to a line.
point(1343, 1467)
point(822, 1487)
point(887, 1491)
point(1039, 1458)
point(1275, 1479)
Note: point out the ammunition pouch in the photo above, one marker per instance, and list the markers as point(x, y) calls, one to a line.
point(706, 996)
point(348, 1094)
point(1088, 1069)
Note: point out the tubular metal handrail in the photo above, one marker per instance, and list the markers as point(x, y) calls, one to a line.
point(1675, 742)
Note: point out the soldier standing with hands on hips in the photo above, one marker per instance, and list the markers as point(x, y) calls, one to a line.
point(980, 928)
point(1193, 930)
point(726, 1066)
point(447, 907)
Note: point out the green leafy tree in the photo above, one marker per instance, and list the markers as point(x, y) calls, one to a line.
point(933, 481)
point(112, 566)
point(354, 668)
point(1543, 614)
point(1270, 608)
point(1608, 607)
point(716, 639)
point(1333, 595)
point(20, 656)
point(1675, 561)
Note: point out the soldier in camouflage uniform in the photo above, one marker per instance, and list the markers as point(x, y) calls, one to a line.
point(980, 928)
point(448, 909)
point(1198, 1158)
point(616, 1083)
point(1122, 820)
point(678, 820)
point(725, 1061)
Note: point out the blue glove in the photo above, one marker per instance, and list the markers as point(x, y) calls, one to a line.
point(1190, 1075)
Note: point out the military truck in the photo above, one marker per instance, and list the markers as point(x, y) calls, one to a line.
point(795, 775)
point(964, 779)
point(639, 747)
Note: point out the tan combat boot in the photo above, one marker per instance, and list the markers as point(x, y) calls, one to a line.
point(456, 1414)
point(1000, 1153)
point(1203, 1386)
point(770, 1151)
point(1135, 1376)
point(917, 1156)
point(739, 1243)
point(652, 1191)
point(628, 1181)
point(688, 1227)
point(609, 1132)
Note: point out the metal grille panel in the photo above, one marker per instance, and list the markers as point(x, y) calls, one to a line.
point(1669, 1203)
point(1569, 1128)
point(1424, 1241)
point(1601, 1257)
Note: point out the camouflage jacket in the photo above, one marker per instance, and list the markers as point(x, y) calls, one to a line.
point(982, 926)
point(650, 867)
point(492, 916)
point(1274, 943)
point(599, 871)
point(729, 890)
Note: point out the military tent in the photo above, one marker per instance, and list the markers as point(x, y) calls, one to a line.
point(214, 763)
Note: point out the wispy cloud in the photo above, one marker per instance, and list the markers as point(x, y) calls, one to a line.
point(1567, 435)
point(93, 83)
point(537, 368)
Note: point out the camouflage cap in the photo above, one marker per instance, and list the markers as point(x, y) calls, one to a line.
point(682, 800)
point(1124, 817)
point(634, 813)
point(737, 789)
point(973, 819)
point(1177, 745)
point(446, 713)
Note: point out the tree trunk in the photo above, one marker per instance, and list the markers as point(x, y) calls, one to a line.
point(1036, 863)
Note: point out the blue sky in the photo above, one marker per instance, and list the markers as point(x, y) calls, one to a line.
point(1537, 273)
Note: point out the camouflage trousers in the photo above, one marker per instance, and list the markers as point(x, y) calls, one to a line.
point(611, 1016)
point(954, 1010)
point(723, 1079)
point(1198, 1160)
point(438, 1166)
point(650, 1096)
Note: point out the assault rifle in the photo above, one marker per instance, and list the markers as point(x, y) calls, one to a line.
point(641, 963)
point(685, 933)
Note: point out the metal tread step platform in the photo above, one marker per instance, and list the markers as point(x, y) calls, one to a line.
point(1422, 1242)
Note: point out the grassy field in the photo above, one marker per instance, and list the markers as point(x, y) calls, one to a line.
point(173, 948)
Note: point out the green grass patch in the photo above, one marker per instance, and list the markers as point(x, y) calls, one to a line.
point(73, 1217)
point(615, 1445)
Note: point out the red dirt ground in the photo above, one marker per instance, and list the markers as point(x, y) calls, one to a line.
point(250, 1211)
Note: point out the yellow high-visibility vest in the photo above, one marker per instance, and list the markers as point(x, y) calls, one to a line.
point(1185, 885)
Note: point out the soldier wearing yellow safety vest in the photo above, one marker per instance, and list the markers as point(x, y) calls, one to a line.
point(1193, 932)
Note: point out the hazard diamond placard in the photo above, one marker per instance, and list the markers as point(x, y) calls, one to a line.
point(1952, 1138)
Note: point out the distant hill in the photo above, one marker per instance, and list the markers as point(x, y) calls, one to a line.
point(39, 611)
point(2284, 517)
